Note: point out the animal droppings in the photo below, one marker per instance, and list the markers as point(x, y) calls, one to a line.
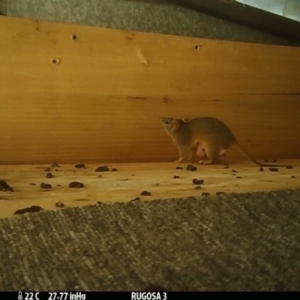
point(76, 184)
point(102, 169)
point(135, 199)
point(47, 170)
point(45, 186)
point(273, 169)
point(55, 165)
point(145, 193)
point(198, 187)
point(31, 183)
point(289, 167)
point(205, 194)
point(191, 168)
point(5, 187)
point(233, 171)
point(292, 176)
point(33, 208)
point(49, 175)
point(198, 181)
point(238, 177)
point(78, 166)
point(176, 176)
point(179, 168)
point(59, 204)
point(226, 166)
point(114, 169)
point(261, 169)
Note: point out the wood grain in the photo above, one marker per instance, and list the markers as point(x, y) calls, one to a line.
point(131, 179)
point(101, 101)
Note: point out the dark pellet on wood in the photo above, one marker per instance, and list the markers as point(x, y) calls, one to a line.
point(261, 169)
point(289, 167)
point(55, 165)
point(80, 166)
point(145, 193)
point(220, 193)
point(273, 169)
point(33, 208)
point(176, 176)
point(135, 199)
point(99, 202)
point(238, 177)
point(191, 168)
point(293, 176)
point(47, 170)
point(102, 169)
point(5, 187)
point(58, 185)
point(49, 175)
point(45, 186)
point(198, 187)
point(205, 194)
point(179, 168)
point(114, 169)
point(31, 183)
point(59, 204)
point(197, 181)
point(233, 171)
point(76, 184)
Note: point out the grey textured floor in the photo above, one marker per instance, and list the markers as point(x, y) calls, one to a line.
point(147, 17)
point(226, 242)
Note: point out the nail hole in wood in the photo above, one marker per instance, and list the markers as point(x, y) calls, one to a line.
point(55, 61)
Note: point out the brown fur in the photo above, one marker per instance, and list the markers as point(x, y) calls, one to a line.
point(205, 133)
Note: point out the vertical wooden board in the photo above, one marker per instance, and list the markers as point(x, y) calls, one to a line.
point(102, 100)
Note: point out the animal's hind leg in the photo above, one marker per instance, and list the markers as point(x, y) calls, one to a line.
point(212, 154)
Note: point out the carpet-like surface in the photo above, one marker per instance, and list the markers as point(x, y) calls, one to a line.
point(225, 242)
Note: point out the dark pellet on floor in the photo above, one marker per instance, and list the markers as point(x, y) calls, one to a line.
point(47, 170)
point(114, 169)
point(76, 184)
point(220, 193)
point(5, 187)
point(99, 202)
point(80, 166)
point(198, 187)
point(198, 181)
point(58, 185)
point(238, 177)
point(205, 194)
point(102, 169)
point(191, 168)
point(289, 167)
point(135, 199)
point(273, 169)
point(233, 171)
point(55, 165)
point(261, 169)
point(145, 193)
point(45, 186)
point(33, 208)
point(49, 175)
point(59, 204)
point(31, 183)
point(179, 168)
point(176, 176)
point(292, 176)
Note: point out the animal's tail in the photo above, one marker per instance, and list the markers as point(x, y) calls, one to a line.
point(254, 160)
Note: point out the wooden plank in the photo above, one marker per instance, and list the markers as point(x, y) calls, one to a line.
point(130, 180)
point(102, 100)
